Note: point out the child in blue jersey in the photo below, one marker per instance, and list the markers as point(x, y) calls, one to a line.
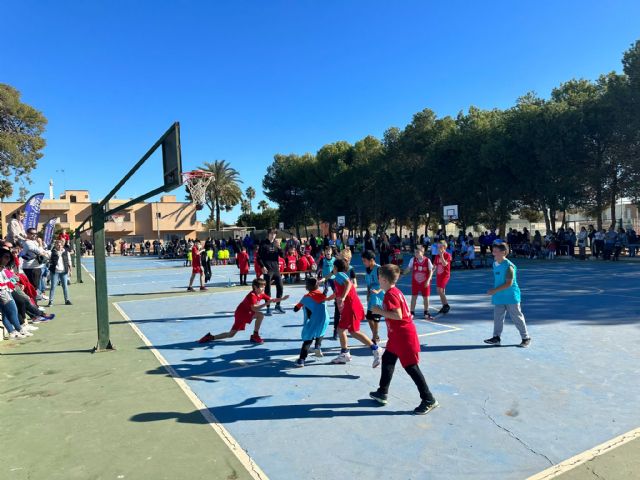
point(325, 268)
point(316, 319)
point(375, 294)
point(506, 297)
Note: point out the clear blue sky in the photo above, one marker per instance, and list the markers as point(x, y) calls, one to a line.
point(254, 78)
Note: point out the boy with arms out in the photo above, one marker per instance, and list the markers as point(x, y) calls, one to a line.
point(246, 311)
point(505, 297)
point(403, 342)
point(316, 319)
point(351, 314)
point(421, 270)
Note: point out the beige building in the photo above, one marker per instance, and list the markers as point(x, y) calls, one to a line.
point(144, 221)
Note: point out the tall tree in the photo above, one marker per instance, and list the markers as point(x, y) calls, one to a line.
point(250, 193)
point(21, 142)
point(263, 205)
point(223, 193)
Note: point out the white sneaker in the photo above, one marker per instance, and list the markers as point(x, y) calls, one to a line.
point(318, 352)
point(16, 335)
point(26, 333)
point(30, 328)
point(376, 357)
point(342, 358)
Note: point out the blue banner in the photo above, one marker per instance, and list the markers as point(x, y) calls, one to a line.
point(32, 211)
point(48, 231)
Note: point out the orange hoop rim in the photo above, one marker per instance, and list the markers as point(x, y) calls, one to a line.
point(196, 174)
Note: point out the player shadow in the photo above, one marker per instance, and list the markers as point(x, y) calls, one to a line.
point(245, 411)
point(194, 345)
point(447, 348)
point(210, 370)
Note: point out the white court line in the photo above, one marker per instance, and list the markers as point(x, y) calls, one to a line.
point(254, 470)
point(584, 457)
point(88, 272)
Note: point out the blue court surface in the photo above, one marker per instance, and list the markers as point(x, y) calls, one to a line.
point(505, 412)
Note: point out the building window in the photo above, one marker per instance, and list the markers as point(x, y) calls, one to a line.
point(73, 199)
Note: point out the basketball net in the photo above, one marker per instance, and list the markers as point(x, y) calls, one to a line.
point(197, 182)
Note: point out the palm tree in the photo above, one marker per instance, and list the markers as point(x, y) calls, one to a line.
point(223, 192)
point(263, 205)
point(245, 206)
point(250, 193)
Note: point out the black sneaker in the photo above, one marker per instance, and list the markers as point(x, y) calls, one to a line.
point(446, 308)
point(525, 343)
point(493, 341)
point(268, 312)
point(68, 302)
point(381, 398)
point(278, 309)
point(425, 407)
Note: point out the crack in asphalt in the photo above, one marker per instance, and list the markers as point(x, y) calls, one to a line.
point(513, 435)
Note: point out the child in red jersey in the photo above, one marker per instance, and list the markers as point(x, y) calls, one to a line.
point(421, 270)
point(245, 312)
point(351, 314)
point(302, 265)
point(311, 263)
point(242, 261)
point(442, 262)
point(291, 263)
point(256, 263)
point(281, 264)
point(403, 341)
point(196, 267)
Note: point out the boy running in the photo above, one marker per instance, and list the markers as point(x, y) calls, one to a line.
point(351, 315)
point(375, 294)
point(316, 319)
point(196, 266)
point(421, 270)
point(442, 262)
point(403, 342)
point(243, 316)
point(505, 297)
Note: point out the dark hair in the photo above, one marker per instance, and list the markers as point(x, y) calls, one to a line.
point(258, 282)
point(390, 272)
point(340, 265)
point(368, 255)
point(311, 284)
point(500, 246)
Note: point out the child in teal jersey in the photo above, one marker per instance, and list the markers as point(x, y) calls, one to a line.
point(506, 297)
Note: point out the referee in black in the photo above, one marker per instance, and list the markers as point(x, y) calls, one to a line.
point(268, 256)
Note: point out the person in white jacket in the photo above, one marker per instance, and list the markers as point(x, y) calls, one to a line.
point(34, 256)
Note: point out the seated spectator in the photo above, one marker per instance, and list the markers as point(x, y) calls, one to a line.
point(8, 306)
point(34, 256)
point(15, 230)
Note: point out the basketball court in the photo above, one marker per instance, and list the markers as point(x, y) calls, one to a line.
point(505, 412)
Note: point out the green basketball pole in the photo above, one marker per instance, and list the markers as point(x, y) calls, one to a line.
point(172, 173)
point(78, 248)
point(100, 262)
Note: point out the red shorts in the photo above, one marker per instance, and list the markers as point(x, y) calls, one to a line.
point(240, 323)
point(196, 269)
point(423, 289)
point(349, 319)
point(441, 281)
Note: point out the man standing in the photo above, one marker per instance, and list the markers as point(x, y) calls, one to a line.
point(34, 255)
point(268, 256)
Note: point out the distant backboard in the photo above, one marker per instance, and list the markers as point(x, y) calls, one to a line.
point(450, 212)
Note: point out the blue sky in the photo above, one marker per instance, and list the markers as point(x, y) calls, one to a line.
point(249, 79)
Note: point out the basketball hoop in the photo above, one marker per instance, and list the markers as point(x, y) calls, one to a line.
point(118, 219)
point(197, 182)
